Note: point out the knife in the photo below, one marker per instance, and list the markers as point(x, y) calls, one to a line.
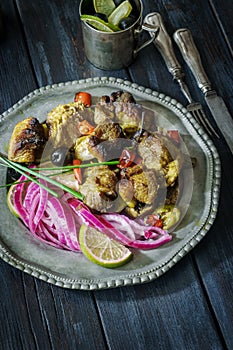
point(224, 121)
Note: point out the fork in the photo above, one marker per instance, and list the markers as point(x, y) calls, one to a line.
point(164, 45)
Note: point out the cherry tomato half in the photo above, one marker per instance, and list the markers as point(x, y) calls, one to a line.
point(126, 159)
point(83, 97)
point(154, 220)
point(77, 171)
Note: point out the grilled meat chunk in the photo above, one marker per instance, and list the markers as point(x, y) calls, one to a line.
point(122, 96)
point(128, 115)
point(99, 188)
point(106, 143)
point(144, 183)
point(154, 153)
point(108, 131)
point(27, 141)
point(171, 172)
point(109, 150)
point(62, 123)
point(83, 148)
point(173, 193)
point(104, 111)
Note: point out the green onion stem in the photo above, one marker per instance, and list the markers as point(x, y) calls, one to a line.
point(69, 167)
point(14, 183)
point(35, 171)
point(21, 169)
point(20, 182)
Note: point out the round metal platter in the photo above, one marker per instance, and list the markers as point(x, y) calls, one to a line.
point(73, 270)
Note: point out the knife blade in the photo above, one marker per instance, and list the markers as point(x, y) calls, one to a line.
point(219, 111)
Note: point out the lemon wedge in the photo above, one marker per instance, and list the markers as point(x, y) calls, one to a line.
point(99, 24)
point(121, 11)
point(101, 249)
point(10, 202)
point(104, 6)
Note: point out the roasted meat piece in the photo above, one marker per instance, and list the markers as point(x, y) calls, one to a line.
point(104, 111)
point(62, 123)
point(27, 141)
point(108, 131)
point(106, 143)
point(171, 172)
point(83, 148)
point(128, 115)
point(122, 96)
point(108, 150)
point(154, 153)
point(99, 188)
point(144, 183)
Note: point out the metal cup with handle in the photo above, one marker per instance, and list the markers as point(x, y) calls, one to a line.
point(114, 50)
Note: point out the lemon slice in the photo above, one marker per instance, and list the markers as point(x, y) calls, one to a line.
point(99, 24)
point(101, 249)
point(10, 202)
point(104, 6)
point(121, 11)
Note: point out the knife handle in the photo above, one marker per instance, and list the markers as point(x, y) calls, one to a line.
point(164, 45)
point(184, 40)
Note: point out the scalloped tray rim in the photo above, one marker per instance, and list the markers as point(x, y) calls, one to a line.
point(154, 273)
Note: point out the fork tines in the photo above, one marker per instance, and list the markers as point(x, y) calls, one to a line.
point(200, 116)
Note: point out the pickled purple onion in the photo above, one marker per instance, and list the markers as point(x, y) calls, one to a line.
point(57, 221)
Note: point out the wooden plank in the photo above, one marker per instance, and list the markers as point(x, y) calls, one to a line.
point(34, 314)
point(37, 315)
point(16, 78)
point(169, 313)
point(218, 63)
point(214, 261)
point(224, 13)
point(55, 42)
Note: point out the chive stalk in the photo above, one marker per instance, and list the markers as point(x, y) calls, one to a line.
point(36, 174)
point(85, 165)
point(21, 169)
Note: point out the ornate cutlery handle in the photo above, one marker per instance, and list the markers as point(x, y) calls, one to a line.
point(184, 40)
point(164, 44)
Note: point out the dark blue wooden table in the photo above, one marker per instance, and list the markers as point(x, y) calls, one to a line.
point(191, 305)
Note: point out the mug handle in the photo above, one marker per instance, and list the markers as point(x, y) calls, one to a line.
point(152, 29)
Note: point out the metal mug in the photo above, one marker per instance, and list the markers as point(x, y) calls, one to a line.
point(114, 50)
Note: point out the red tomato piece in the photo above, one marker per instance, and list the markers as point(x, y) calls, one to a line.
point(154, 220)
point(174, 135)
point(77, 171)
point(126, 159)
point(83, 97)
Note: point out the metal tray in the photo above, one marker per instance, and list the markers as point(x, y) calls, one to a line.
point(73, 270)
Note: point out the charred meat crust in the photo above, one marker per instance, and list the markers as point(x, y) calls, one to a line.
point(99, 188)
point(27, 141)
point(144, 183)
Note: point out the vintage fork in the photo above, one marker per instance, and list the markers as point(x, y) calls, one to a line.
point(164, 45)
